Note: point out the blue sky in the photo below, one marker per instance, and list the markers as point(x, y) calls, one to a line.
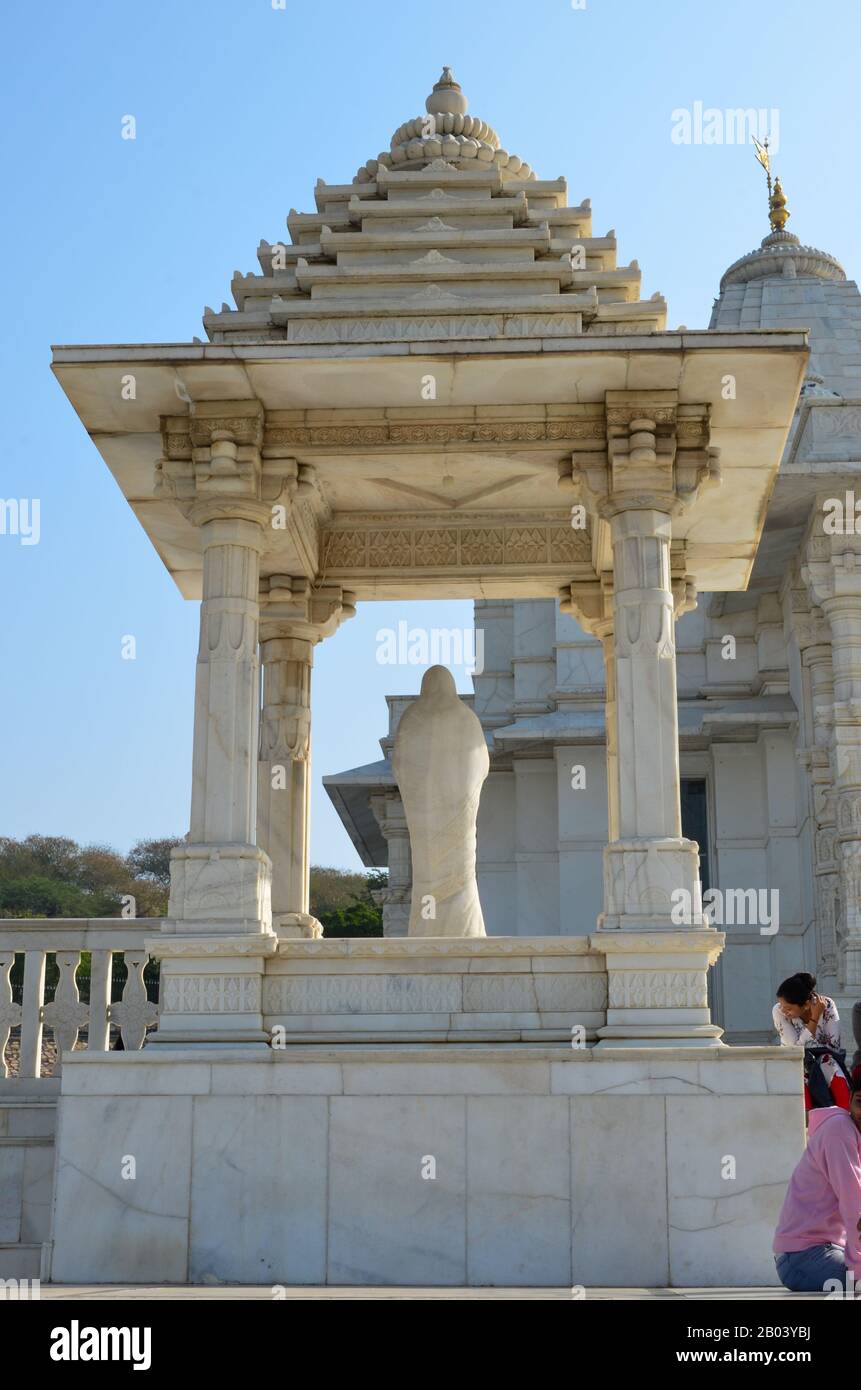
point(240, 107)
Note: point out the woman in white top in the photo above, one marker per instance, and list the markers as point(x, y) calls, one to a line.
point(804, 1018)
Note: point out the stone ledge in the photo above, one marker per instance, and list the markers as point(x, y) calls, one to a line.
point(411, 1293)
point(473, 947)
point(330, 1070)
point(416, 1051)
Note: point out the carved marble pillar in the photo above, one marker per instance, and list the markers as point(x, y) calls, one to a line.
point(657, 943)
point(645, 660)
point(813, 636)
point(296, 616)
point(832, 571)
point(395, 898)
point(284, 779)
point(218, 932)
point(220, 879)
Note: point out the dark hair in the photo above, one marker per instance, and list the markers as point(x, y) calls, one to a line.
point(797, 989)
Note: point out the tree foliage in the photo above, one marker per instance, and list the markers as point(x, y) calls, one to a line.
point(342, 901)
point(53, 876)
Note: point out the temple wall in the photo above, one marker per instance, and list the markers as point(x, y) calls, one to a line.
point(444, 1166)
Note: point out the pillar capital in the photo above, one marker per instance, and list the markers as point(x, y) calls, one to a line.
point(590, 603)
point(214, 452)
point(220, 461)
point(655, 456)
point(298, 608)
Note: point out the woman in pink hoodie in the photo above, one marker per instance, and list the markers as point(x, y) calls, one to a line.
point(818, 1234)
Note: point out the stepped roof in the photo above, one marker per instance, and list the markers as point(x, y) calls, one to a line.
point(445, 236)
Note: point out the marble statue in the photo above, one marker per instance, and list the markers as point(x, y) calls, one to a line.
point(440, 761)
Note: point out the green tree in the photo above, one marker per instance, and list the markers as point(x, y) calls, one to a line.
point(342, 901)
point(53, 876)
point(150, 859)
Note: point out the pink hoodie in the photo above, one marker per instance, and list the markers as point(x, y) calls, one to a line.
point(822, 1205)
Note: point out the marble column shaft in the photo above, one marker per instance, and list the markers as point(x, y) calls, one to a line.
point(224, 777)
point(284, 800)
point(844, 615)
point(814, 644)
point(832, 572)
point(643, 674)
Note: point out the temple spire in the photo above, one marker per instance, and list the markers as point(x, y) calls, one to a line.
point(778, 212)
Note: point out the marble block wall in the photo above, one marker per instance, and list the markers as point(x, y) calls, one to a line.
point(313, 1166)
point(27, 1119)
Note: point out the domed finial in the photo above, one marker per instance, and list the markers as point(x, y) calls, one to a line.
point(447, 97)
point(778, 212)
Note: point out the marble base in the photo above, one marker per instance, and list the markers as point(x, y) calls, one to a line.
point(211, 989)
point(471, 989)
point(463, 1166)
point(658, 987)
point(219, 888)
point(640, 879)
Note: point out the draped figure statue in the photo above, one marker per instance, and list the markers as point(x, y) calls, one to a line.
point(440, 761)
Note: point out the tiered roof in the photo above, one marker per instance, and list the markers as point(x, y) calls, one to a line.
point(446, 236)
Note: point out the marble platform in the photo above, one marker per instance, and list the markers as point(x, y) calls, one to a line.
point(553, 1166)
point(478, 989)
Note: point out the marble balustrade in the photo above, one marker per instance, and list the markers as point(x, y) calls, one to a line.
point(67, 1014)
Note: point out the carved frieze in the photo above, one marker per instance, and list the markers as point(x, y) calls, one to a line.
point(658, 989)
point(350, 436)
point(431, 327)
point(411, 546)
point(211, 994)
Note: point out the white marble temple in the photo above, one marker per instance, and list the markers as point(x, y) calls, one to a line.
point(504, 1152)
